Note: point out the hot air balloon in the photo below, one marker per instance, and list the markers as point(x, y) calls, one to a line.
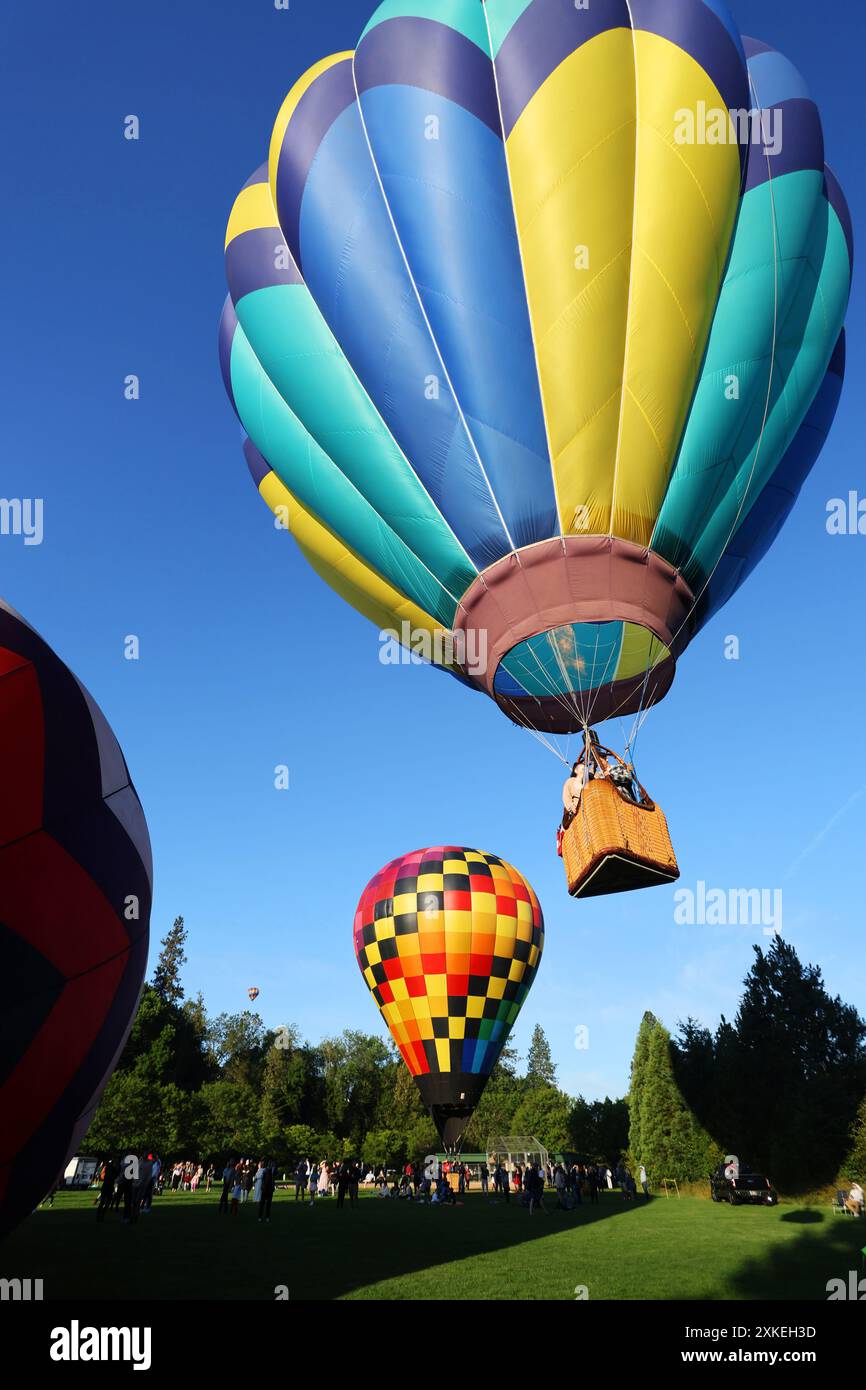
point(534, 330)
point(75, 894)
point(253, 994)
point(449, 940)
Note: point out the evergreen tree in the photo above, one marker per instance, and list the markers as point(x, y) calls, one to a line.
point(672, 1143)
point(637, 1085)
point(856, 1160)
point(166, 976)
point(798, 1112)
point(598, 1130)
point(539, 1061)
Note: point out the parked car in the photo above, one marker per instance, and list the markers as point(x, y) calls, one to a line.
point(755, 1189)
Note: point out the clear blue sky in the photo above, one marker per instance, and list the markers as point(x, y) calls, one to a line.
point(112, 257)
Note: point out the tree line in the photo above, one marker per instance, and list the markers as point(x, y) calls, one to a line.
point(194, 1086)
point(783, 1086)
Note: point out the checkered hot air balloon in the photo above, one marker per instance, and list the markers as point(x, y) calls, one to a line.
point(535, 331)
point(449, 940)
point(75, 894)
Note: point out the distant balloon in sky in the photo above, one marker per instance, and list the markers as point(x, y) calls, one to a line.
point(253, 994)
point(75, 895)
point(534, 332)
point(449, 940)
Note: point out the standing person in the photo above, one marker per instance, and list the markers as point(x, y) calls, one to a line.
point(314, 1183)
point(324, 1179)
point(461, 1181)
point(609, 1175)
point(156, 1180)
point(577, 1183)
point(644, 1182)
point(144, 1191)
point(228, 1179)
point(211, 1174)
point(257, 1185)
point(248, 1180)
point(106, 1195)
point(237, 1189)
point(506, 1184)
point(354, 1181)
point(533, 1187)
point(267, 1193)
point(128, 1179)
point(485, 1179)
point(301, 1175)
point(342, 1183)
point(560, 1183)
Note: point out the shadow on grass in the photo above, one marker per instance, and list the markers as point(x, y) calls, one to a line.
point(802, 1266)
point(186, 1250)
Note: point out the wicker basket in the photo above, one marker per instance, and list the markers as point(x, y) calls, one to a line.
point(615, 844)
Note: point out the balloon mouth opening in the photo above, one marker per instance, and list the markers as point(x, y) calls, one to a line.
point(577, 629)
point(451, 1098)
point(582, 673)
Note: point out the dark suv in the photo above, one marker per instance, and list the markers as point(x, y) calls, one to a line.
point(753, 1188)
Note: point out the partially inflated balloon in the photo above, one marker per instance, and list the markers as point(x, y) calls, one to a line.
point(526, 321)
point(449, 940)
point(75, 892)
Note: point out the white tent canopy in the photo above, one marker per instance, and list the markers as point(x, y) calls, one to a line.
point(513, 1149)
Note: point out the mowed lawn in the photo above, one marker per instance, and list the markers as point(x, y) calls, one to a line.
point(664, 1249)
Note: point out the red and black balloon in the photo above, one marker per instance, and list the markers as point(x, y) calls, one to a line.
point(75, 896)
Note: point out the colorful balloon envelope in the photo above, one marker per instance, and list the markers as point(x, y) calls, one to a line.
point(75, 894)
point(449, 940)
point(253, 994)
point(535, 333)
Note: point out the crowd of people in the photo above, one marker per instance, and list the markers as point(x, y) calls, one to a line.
point(128, 1183)
point(570, 1183)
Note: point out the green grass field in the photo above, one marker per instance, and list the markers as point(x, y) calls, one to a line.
point(664, 1249)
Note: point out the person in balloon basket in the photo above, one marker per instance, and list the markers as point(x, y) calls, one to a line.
point(572, 792)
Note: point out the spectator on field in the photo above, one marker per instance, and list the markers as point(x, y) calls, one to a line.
point(228, 1179)
point(301, 1176)
point(854, 1200)
point(267, 1193)
point(533, 1188)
